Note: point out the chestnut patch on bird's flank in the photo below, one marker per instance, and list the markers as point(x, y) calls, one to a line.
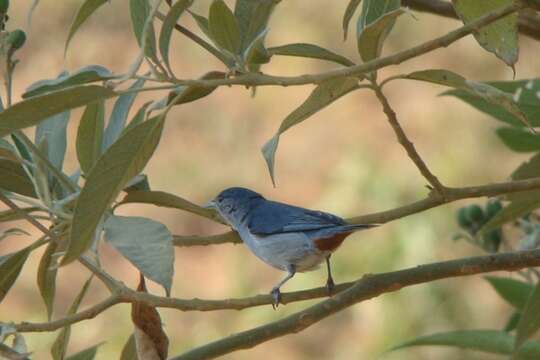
point(330, 243)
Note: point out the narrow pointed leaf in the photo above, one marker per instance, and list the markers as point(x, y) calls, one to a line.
point(13, 178)
point(119, 115)
point(349, 12)
point(140, 11)
point(370, 39)
point(146, 243)
point(86, 354)
point(10, 268)
point(499, 37)
point(46, 277)
point(513, 291)
point(309, 51)
point(12, 215)
point(202, 23)
point(161, 198)
point(252, 17)
point(185, 94)
point(223, 27)
point(518, 139)
point(439, 76)
point(322, 96)
point(168, 26)
point(87, 9)
point(32, 111)
point(123, 160)
point(90, 135)
point(529, 323)
point(58, 349)
point(85, 75)
point(138, 118)
point(129, 351)
point(54, 131)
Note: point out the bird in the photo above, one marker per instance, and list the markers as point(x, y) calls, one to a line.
point(286, 237)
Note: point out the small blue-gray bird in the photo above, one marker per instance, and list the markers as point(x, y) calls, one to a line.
point(287, 237)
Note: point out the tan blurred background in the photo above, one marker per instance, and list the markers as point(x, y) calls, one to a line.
point(344, 159)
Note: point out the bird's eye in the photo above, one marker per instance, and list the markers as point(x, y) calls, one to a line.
point(227, 207)
point(220, 200)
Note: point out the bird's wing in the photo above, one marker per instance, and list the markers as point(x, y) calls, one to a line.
point(271, 217)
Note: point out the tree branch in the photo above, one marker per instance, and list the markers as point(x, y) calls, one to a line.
point(366, 288)
point(406, 143)
point(258, 79)
point(527, 24)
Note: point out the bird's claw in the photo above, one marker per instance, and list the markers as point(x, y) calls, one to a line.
point(276, 296)
point(330, 285)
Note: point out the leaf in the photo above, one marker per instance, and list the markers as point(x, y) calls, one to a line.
point(9, 353)
point(309, 51)
point(13, 178)
point(54, 131)
point(349, 12)
point(370, 39)
point(513, 291)
point(146, 243)
point(439, 76)
point(85, 75)
point(32, 111)
point(140, 11)
point(58, 349)
point(524, 94)
point(168, 26)
point(490, 341)
point(115, 168)
point(8, 154)
point(185, 94)
point(499, 37)
point(129, 351)
point(223, 27)
point(12, 215)
point(323, 95)
point(252, 17)
point(529, 323)
point(10, 268)
point(90, 135)
point(138, 118)
point(87, 9)
point(519, 140)
point(119, 115)
point(202, 23)
point(46, 277)
point(512, 211)
point(86, 354)
point(161, 198)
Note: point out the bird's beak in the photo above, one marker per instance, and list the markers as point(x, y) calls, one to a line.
point(210, 205)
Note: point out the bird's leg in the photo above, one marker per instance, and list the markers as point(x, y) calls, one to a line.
point(330, 281)
point(276, 293)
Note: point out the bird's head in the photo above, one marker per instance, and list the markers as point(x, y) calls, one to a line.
point(234, 203)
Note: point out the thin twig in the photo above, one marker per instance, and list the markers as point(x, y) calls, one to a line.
point(406, 143)
point(366, 288)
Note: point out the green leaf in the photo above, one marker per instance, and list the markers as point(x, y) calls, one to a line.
point(529, 323)
point(252, 17)
point(370, 39)
point(54, 131)
point(164, 199)
point(523, 93)
point(512, 211)
point(499, 37)
point(373, 10)
point(32, 111)
point(512, 322)
point(123, 160)
point(185, 94)
point(323, 95)
point(10, 268)
point(202, 23)
point(129, 351)
point(349, 12)
point(438, 76)
point(138, 118)
point(86, 354)
point(223, 27)
point(146, 243)
point(87, 9)
point(85, 75)
point(518, 139)
point(12, 215)
point(12, 354)
point(13, 178)
point(168, 26)
point(528, 169)
point(490, 341)
point(515, 292)
point(119, 115)
point(58, 349)
point(46, 277)
point(140, 11)
point(90, 135)
point(309, 51)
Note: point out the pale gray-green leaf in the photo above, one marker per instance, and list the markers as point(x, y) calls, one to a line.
point(223, 27)
point(32, 111)
point(146, 243)
point(168, 26)
point(84, 12)
point(370, 39)
point(140, 11)
point(54, 131)
point(46, 276)
point(123, 160)
point(309, 51)
point(349, 12)
point(323, 95)
point(90, 135)
point(252, 17)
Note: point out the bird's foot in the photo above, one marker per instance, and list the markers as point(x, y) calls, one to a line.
point(330, 285)
point(276, 296)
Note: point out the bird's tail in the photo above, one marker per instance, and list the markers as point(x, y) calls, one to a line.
point(358, 227)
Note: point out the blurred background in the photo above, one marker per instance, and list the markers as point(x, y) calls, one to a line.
point(344, 159)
